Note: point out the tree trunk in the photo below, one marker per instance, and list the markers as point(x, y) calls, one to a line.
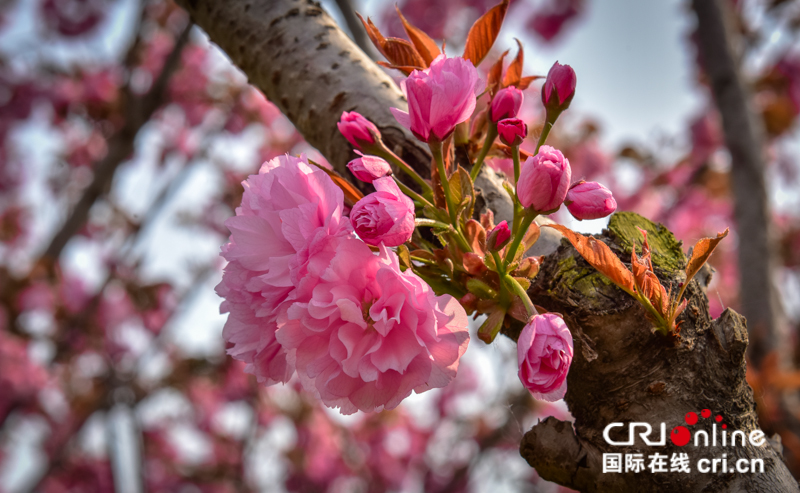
point(306, 65)
point(623, 372)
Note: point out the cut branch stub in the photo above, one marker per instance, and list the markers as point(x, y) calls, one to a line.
point(624, 373)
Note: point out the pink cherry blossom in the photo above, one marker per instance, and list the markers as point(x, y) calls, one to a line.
point(544, 180)
point(544, 354)
point(369, 168)
point(289, 221)
point(357, 130)
point(384, 216)
point(590, 200)
point(439, 97)
point(499, 236)
point(506, 104)
point(369, 334)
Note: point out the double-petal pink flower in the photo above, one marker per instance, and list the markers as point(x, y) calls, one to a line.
point(306, 296)
point(439, 98)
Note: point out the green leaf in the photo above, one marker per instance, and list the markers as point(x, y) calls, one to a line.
point(481, 289)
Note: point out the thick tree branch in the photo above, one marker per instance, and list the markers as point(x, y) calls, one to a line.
point(743, 137)
point(624, 372)
point(304, 63)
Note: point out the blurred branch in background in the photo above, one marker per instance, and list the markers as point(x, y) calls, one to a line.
point(717, 43)
point(138, 109)
point(355, 27)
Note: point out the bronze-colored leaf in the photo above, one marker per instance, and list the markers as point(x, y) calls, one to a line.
point(701, 252)
point(351, 193)
point(476, 236)
point(531, 236)
point(514, 71)
point(473, 263)
point(402, 53)
point(524, 82)
point(496, 74)
point(373, 32)
point(599, 256)
point(426, 47)
point(487, 220)
point(484, 32)
point(467, 193)
point(402, 68)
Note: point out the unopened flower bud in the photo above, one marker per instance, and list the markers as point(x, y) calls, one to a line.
point(544, 180)
point(590, 200)
point(506, 104)
point(369, 168)
point(558, 90)
point(512, 131)
point(358, 130)
point(499, 236)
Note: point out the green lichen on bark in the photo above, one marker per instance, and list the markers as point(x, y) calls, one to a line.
point(584, 280)
point(666, 251)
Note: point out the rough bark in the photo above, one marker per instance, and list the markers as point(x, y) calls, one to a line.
point(623, 372)
point(304, 63)
point(744, 140)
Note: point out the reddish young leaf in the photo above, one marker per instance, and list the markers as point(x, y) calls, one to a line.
point(524, 82)
point(483, 33)
point(473, 263)
point(495, 75)
point(600, 257)
point(351, 193)
point(701, 252)
point(425, 46)
point(646, 281)
point(402, 53)
point(476, 236)
point(373, 32)
point(406, 69)
point(514, 71)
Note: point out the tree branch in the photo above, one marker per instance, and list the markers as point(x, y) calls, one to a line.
point(743, 137)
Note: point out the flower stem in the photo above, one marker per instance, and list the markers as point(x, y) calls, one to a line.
point(516, 288)
point(491, 134)
point(436, 150)
point(393, 158)
point(515, 157)
point(527, 219)
point(545, 132)
point(411, 193)
point(517, 206)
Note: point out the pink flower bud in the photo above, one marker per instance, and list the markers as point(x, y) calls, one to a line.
point(358, 130)
point(439, 98)
point(384, 216)
point(499, 236)
point(506, 104)
point(544, 180)
point(559, 88)
point(369, 168)
point(544, 354)
point(512, 131)
point(590, 200)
